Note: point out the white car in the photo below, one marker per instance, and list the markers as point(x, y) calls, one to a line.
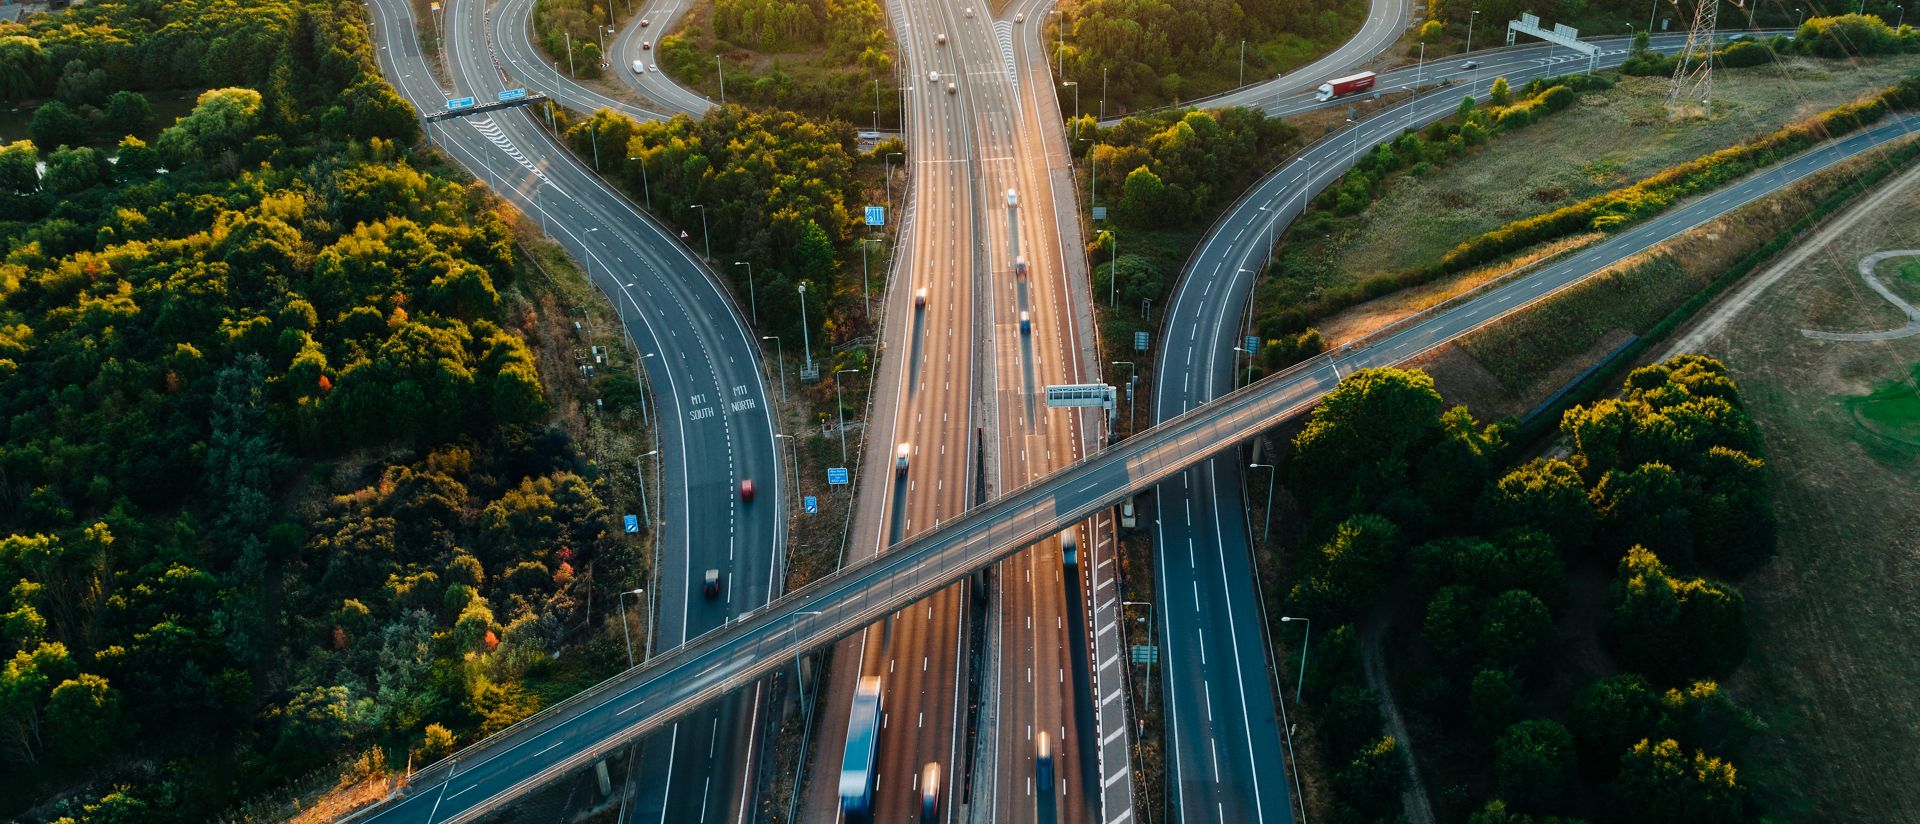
point(655, 66)
point(920, 298)
point(933, 77)
point(969, 11)
point(940, 39)
point(643, 22)
point(646, 45)
point(900, 456)
point(1020, 18)
point(1026, 323)
point(639, 67)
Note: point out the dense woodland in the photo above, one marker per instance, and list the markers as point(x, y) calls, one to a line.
point(276, 482)
point(1162, 51)
point(1420, 539)
point(572, 31)
point(821, 57)
point(779, 191)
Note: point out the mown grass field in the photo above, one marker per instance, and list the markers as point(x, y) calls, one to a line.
point(1834, 663)
point(1508, 367)
point(1607, 140)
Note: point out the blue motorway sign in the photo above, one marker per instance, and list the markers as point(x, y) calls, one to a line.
point(1139, 341)
point(459, 103)
point(812, 504)
point(512, 94)
point(876, 215)
point(836, 475)
point(633, 524)
point(1253, 344)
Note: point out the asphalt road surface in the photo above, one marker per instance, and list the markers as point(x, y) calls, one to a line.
point(1221, 699)
point(703, 368)
point(672, 685)
point(1386, 21)
point(923, 396)
point(704, 771)
point(637, 42)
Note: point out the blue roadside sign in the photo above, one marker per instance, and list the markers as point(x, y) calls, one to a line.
point(876, 215)
point(512, 94)
point(633, 524)
point(1253, 344)
point(836, 475)
point(812, 505)
point(459, 103)
point(1139, 341)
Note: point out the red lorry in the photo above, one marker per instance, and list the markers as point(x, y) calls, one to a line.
point(1343, 86)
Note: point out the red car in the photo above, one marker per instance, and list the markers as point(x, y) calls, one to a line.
point(746, 490)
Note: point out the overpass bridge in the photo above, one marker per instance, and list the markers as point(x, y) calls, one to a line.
point(485, 776)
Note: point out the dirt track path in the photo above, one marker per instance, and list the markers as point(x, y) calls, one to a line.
point(1413, 796)
point(1716, 319)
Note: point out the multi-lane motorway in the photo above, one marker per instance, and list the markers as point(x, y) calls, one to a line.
point(673, 684)
point(715, 427)
point(1221, 716)
point(734, 656)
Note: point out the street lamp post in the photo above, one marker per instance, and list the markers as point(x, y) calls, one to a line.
point(1076, 106)
point(1132, 376)
point(1903, 18)
point(1470, 18)
point(753, 303)
point(645, 639)
point(722, 71)
point(841, 407)
point(1302, 680)
point(793, 444)
point(1243, 64)
point(1273, 227)
point(866, 291)
point(1062, 51)
point(1654, 11)
point(1266, 521)
point(704, 237)
point(1113, 270)
point(806, 343)
point(646, 187)
point(646, 517)
point(780, 357)
point(876, 108)
point(1419, 76)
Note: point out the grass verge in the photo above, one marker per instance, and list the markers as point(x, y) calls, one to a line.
point(1832, 619)
point(1554, 163)
point(1507, 367)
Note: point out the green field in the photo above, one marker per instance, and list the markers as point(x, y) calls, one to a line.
point(1833, 660)
point(1835, 663)
point(1607, 140)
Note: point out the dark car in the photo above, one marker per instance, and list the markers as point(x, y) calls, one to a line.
point(746, 490)
point(711, 585)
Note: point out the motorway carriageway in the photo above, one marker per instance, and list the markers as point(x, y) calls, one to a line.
point(675, 683)
point(1223, 721)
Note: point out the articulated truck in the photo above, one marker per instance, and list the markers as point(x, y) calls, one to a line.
point(1343, 86)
